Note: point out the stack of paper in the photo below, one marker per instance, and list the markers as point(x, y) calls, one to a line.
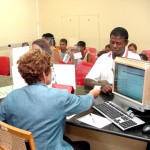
point(95, 120)
point(69, 117)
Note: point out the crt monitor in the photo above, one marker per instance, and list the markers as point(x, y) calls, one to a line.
point(131, 85)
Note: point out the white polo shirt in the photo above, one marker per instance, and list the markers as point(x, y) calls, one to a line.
point(103, 67)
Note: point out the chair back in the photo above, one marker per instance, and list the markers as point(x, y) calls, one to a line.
point(82, 70)
point(91, 50)
point(57, 48)
point(12, 138)
point(94, 58)
point(147, 53)
point(69, 88)
point(4, 65)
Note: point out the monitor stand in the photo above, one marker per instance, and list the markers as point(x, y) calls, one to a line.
point(123, 103)
point(126, 102)
point(145, 116)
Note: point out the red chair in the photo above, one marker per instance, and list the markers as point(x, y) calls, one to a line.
point(67, 87)
point(94, 58)
point(147, 53)
point(57, 48)
point(82, 70)
point(92, 50)
point(4, 65)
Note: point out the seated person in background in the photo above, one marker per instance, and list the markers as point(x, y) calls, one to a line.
point(42, 110)
point(25, 44)
point(132, 47)
point(107, 48)
point(86, 56)
point(102, 71)
point(51, 41)
point(101, 53)
point(41, 44)
point(50, 38)
point(143, 56)
point(63, 51)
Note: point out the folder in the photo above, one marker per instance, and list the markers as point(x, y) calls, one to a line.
point(67, 87)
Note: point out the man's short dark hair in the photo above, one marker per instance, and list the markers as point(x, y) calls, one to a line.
point(81, 43)
point(48, 35)
point(119, 31)
point(64, 40)
point(101, 53)
point(50, 38)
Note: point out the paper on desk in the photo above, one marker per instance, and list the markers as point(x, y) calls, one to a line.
point(69, 117)
point(95, 120)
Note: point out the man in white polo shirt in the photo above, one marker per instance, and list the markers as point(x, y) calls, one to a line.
point(102, 71)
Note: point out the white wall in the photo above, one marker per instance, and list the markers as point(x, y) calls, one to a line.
point(133, 15)
point(18, 21)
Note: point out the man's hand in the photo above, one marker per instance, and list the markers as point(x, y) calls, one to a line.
point(106, 88)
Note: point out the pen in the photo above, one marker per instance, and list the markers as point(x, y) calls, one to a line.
point(92, 118)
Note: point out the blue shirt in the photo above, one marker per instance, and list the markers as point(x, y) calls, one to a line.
point(42, 111)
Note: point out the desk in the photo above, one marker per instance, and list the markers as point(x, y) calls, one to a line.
point(5, 81)
point(109, 137)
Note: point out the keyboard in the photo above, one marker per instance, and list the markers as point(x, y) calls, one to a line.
point(117, 115)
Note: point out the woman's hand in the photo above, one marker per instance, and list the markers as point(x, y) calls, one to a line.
point(95, 92)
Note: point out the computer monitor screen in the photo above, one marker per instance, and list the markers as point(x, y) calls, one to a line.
point(129, 81)
point(131, 85)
